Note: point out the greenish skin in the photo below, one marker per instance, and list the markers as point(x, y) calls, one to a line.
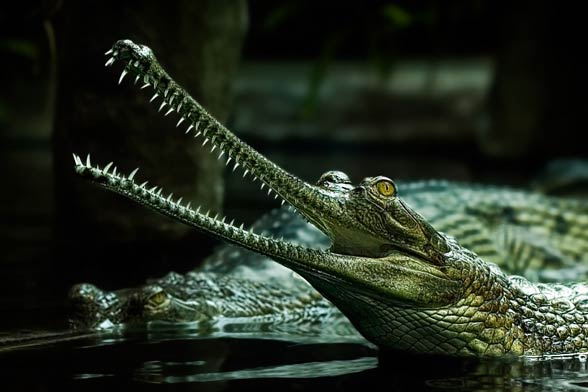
point(403, 284)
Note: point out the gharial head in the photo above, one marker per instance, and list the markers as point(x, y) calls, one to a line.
point(386, 264)
point(369, 219)
point(93, 308)
point(171, 298)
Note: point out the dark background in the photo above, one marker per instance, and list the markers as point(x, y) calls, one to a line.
point(478, 91)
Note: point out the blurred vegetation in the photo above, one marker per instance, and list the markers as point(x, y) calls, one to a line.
point(376, 31)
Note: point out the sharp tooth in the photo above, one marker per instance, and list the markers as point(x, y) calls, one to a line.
point(232, 221)
point(241, 227)
point(170, 196)
point(213, 147)
point(179, 202)
point(75, 158)
point(190, 128)
point(162, 105)
point(136, 64)
point(269, 190)
point(262, 185)
point(276, 196)
point(180, 106)
point(188, 205)
point(88, 163)
point(155, 83)
point(114, 172)
point(197, 124)
point(198, 209)
point(205, 141)
point(137, 78)
point(171, 100)
point(145, 86)
point(216, 216)
point(153, 97)
point(220, 155)
point(109, 62)
point(168, 112)
point(122, 75)
point(159, 192)
point(236, 166)
point(228, 161)
point(179, 122)
point(166, 92)
point(152, 190)
point(143, 184)
point(198, 134)
point(108, 52)
point(223, 220)
point(107, 167)
point(282, 202)
point(245, 172)
point(133, 174)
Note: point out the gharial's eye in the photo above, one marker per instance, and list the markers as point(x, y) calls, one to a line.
point(386, 188)
point(157, 299)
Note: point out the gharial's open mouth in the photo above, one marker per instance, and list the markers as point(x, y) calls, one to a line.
point(139, 61)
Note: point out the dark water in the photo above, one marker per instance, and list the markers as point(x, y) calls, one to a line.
point(176, 358)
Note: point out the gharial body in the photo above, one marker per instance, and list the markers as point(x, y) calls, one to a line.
point(389, 266)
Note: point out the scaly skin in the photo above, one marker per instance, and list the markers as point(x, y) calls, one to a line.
point(401, 283)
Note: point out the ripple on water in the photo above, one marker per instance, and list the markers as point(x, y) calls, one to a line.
point(162, 356)
point(165, 373)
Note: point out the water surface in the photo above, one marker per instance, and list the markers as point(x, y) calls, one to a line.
point(168, 357)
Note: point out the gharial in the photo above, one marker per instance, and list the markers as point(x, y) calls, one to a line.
point(399, 276)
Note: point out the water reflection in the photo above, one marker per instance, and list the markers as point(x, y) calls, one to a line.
point(180, 373)
point(167, 356)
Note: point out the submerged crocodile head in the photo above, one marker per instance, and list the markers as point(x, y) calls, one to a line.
point(401, 283)
point(100, 309)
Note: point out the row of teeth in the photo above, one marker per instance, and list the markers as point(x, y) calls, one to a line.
point(153, 194)
point(168, 100)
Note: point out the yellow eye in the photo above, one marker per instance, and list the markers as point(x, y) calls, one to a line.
point(157, 299)
point(386, 188)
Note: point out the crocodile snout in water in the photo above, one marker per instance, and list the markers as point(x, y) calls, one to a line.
point(99, 309)
point(94, 308)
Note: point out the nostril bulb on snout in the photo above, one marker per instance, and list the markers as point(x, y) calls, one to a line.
point(84, 292)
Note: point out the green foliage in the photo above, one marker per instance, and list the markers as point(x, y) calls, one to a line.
point(376, 22)
point(19, 47)
point(397, 16)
